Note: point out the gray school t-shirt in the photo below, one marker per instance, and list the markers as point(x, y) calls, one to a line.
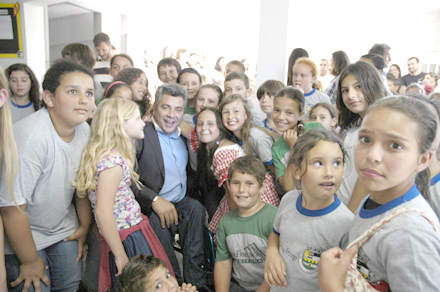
point(434, 189)
point(304, 235)
point(20, 112)
point(261, 144)
point(405, 253)
point(312, 98)
point(47, 168)
point(350, 175)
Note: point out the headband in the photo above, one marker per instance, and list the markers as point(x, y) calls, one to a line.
point(111, 85)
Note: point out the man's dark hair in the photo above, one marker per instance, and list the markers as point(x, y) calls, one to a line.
point(377, 60)
point(101, 37)
point(379, 49)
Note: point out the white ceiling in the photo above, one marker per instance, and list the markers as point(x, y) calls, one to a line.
point(65, 10)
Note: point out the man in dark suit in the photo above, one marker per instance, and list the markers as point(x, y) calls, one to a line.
point(162, 159)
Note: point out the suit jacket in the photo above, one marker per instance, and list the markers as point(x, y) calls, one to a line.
point(151, 168)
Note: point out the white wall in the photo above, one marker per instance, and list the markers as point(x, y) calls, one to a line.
point(322, 27)
point(67, 30)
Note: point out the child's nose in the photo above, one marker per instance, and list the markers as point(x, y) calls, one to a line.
point(374, 153)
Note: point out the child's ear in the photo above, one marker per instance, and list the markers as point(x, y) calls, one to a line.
point(314, 78)
point(296, 171)
point(48, 98)
point(263, 186)
point(248, 92)
point(334, 121)
point(425, 160)
point(227, 183)
point(3, 96)
point(301, 115)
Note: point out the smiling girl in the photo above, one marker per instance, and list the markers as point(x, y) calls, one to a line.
point(138, 82)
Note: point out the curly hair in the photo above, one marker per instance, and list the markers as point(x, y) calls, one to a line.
point(107, 134)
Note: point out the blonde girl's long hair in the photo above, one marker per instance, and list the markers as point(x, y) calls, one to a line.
point(108, 134)
point(8, 149)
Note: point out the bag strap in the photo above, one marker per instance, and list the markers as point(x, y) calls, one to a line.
point(370, 232)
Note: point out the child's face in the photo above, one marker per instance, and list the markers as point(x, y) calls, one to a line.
point(134, 127)
point(122, 92)
point(302, 77)
point(207, 97)
point(207, 128)
point(352, 95)
point(160, 280)
point(191, 83)
point(168, 74)
point(139, 87)
point(73, 101)
point(20, 83)
point(119, 63)
point(321, 174)
point(232, 68)
point(322, 115)
point(387, 155)
point(266, 103)
point(428, 80)
point(393, 88)
point(234, 116)
point(286, 113)
point(245, 190)
point(236, 86)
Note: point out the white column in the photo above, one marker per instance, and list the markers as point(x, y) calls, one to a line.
point(272, 55)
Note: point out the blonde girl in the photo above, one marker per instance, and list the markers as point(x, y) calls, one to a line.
point(8, 162)
point(105, 175)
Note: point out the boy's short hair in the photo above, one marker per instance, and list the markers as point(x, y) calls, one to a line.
point(170, 62)
point(135, 272)
point(377, 60)
point(248, 165)
point(189, 70)
point(396, 81)
point(310, 63)
point(271, 87)
point(53, 76)
point(79, 53)
point(237, 63)
point(101, 38)
point(238, 75)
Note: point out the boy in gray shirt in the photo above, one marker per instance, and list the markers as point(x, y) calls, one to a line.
point(44, 238)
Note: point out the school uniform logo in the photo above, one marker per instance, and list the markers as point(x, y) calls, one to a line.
point(251, 254)
point(309, 259)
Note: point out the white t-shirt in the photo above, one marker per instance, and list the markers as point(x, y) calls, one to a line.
point(48, 165)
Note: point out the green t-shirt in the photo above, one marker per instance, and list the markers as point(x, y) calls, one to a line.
point(190, 110)
point(280, 150)
point(244, 239)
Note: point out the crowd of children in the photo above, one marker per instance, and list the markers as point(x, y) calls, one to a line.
point(283, 194)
